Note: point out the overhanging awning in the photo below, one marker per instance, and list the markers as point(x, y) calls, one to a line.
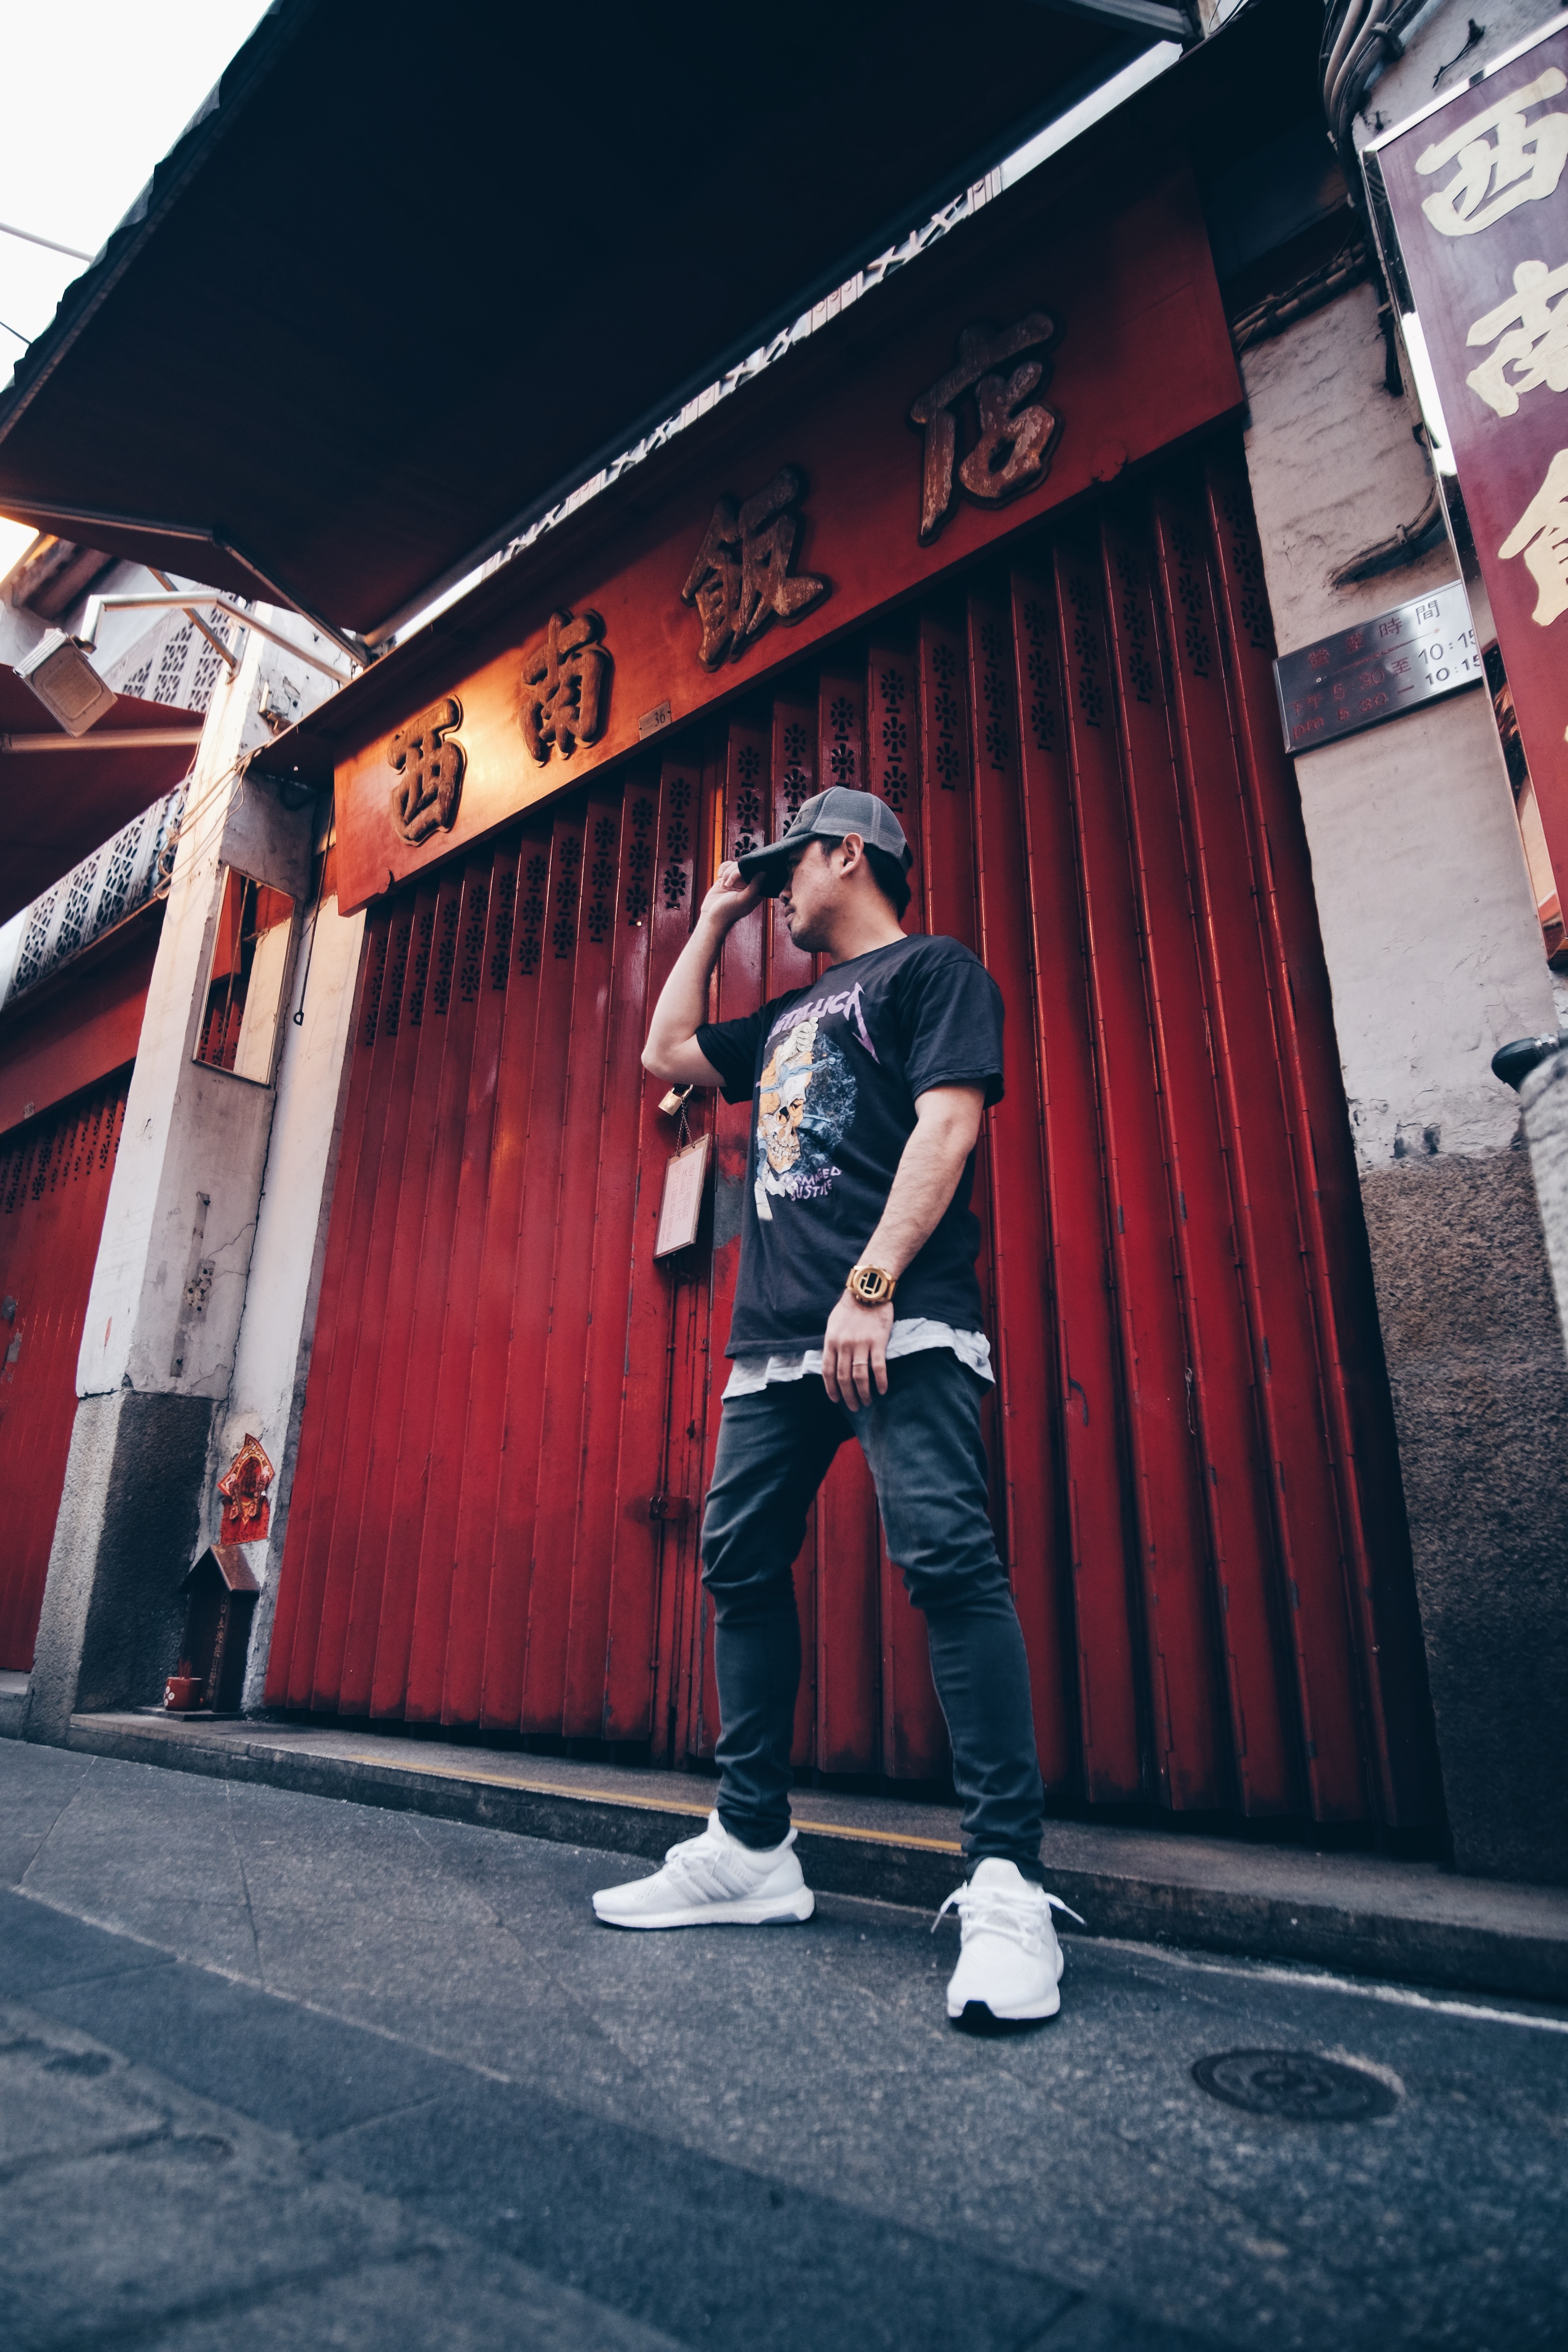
point(416, 271)
point(62, 795)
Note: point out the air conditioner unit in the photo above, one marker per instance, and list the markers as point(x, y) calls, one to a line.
point(66, 683)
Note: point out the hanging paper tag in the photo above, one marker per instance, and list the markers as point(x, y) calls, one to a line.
point(680, 1210)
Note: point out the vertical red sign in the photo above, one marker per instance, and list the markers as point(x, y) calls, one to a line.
point(1479, 191)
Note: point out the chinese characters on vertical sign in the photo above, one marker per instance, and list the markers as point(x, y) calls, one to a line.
point(1504, 158)
point(1477, 189)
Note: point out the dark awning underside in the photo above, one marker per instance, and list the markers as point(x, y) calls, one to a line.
point(418, 269)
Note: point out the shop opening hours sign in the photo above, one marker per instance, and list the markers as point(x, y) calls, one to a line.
point(1378, 670)
point(1478, 192)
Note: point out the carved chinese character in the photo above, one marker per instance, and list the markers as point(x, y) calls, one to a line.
point(1541, 536)
point(429, 772)
point(1536, 350)
point(565, 687)
point(741, 579)
point(1015, 435)
point(1522, 162)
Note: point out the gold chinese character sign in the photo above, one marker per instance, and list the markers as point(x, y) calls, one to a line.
point(741, 579)
point(1477, 189)
point(566, 685)
point(1016, 435)
point(428, 769)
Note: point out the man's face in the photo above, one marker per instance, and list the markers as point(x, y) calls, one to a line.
point(810, 892)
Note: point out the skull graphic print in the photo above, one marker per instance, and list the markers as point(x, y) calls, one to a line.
point(807, 1100)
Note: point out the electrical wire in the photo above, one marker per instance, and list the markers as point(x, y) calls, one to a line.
point(21, 338)
point(51, 244)
point(1360, 37)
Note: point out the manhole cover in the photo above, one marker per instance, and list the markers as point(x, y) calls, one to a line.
point(1293, 2084)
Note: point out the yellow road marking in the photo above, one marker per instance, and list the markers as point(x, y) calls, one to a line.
point(646, 1804)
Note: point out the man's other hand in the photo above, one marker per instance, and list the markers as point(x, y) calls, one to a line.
point(855, 1352)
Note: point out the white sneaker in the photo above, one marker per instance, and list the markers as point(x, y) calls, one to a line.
point(1011, 1963)
point(712, 1881)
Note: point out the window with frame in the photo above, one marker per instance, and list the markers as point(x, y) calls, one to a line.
point(245, 979)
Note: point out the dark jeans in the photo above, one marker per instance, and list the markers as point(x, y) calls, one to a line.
point(923, 1446)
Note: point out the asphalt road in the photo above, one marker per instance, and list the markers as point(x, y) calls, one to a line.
point(278, 2071)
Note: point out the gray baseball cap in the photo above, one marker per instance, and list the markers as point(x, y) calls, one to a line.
point(828, 816)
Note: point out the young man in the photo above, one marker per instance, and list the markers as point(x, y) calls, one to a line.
point(857, 1314)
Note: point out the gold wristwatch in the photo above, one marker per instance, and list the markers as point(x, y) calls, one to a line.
point(870, 1287)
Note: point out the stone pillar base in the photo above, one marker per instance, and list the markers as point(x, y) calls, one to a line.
point(125, 1535)
point(1481, 1399)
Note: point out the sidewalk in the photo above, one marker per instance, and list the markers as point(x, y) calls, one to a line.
point(1410, 1921)
point(280, 2072)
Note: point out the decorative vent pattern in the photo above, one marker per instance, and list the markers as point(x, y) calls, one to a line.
point(506, 907)
point(997, 693)
point(473, 942)
point(1196, 642)
point(1042, 674)
point(892, 730)
point(531, 913)
point(446, 957)
point(424, 934)
point(375, 981)
point(1088, 653)
point(676, 844)
point(602, 879)
point(568, 865)
point(172, 663)
point(131, 868)
point(639, 857)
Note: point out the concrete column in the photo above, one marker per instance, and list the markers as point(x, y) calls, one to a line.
point(1544, 1095)
point(165, 1308)
point(1436, 958)
point(277, 1329)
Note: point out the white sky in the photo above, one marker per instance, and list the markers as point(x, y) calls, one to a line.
point(96, 91)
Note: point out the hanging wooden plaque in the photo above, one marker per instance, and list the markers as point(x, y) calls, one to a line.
point(680, 1210)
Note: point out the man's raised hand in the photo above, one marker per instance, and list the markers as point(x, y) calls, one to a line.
point(731, 897)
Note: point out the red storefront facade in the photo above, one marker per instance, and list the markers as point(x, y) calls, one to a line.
point(65, 1069)
point(1061, 680)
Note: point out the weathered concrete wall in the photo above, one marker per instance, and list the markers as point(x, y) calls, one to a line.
point(125, 1535)
point(1480, 1401)
point(1439, 57)
point(1435, 959)
point(169, 1288)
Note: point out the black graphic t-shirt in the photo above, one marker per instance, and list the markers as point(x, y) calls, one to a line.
point(833, 1071)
